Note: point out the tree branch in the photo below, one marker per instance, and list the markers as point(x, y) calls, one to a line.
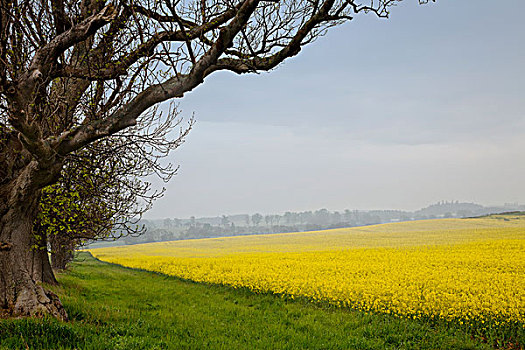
point(174, 87)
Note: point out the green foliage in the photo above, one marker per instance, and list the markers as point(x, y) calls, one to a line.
point(72, 207)
point(116, 308)
point(60, 210)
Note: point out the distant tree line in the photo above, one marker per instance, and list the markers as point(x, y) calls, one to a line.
point(244, 224)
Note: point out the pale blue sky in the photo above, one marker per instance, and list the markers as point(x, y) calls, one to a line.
point(380, 114)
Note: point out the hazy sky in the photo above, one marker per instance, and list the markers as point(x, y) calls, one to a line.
point(379, 114)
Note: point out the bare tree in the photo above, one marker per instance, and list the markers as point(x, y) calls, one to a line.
point(74, 72)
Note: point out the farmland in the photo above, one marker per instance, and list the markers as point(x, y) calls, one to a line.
point(111, 307)
point(465, 272)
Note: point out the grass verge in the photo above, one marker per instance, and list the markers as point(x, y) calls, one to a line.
point(117, 308)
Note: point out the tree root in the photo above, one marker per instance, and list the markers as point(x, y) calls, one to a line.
point(38, 302)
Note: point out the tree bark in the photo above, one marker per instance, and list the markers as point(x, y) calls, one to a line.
point(20, 293)
point(41, 267)
point(61, 251)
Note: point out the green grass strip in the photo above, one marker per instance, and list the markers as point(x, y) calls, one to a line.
point(117, 308)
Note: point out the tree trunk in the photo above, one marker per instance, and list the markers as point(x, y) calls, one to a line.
point(61, 251)
point(20, 293)
point(41, 267)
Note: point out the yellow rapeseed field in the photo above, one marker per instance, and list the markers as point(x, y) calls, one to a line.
point(467, 270)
